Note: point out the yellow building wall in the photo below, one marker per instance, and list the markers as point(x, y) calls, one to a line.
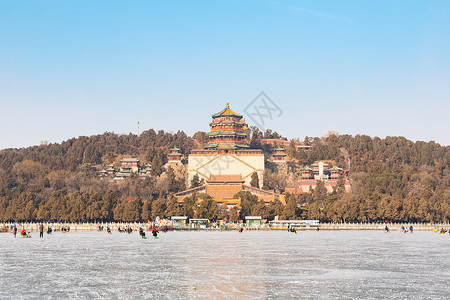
point(226, 164)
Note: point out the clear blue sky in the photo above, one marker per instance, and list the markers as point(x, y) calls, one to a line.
point(72, 68)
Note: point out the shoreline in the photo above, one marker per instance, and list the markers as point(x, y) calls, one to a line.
point(99, 226)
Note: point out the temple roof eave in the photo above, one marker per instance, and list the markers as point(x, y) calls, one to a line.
point(240, 123)
point(231, 133)
point(227, 145)
point(226, 112)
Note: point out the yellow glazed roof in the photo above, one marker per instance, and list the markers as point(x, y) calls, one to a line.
point(226, 112)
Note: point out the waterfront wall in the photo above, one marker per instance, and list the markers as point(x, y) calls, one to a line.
point(60, 226)
point(381, 226)
point(34, 227)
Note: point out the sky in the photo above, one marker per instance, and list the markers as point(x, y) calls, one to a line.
point(80, 68)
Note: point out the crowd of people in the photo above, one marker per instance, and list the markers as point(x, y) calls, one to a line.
point(155, 230)
point(406, 230)
point(441, 231)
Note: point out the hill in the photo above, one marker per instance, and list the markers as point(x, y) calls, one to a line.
point(392, 179)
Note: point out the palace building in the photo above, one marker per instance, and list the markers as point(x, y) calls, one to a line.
point(222, 189)
point(226, 165)
point(227, 152)
point(131, 164)
point(174, 156)
point(322, 171)
point(127, 166)
point(279, 156)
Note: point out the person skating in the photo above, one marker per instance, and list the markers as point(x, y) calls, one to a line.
point(15, 231)
point(141, 232)
point(155, 232)
point(386, 229)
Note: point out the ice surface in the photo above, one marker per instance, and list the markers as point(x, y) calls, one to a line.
point(230, 265)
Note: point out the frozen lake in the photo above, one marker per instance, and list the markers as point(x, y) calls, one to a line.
point(256, 265)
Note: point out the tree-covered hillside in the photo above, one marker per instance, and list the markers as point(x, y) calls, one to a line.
point(392, 179)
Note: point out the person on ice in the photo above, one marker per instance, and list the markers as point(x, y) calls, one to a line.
point(41, 230)
point(141, 232)
point(155, 232)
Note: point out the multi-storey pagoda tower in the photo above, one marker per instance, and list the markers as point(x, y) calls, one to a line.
point(228, 132)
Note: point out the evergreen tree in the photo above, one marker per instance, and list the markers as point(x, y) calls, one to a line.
point(146, 213)
point(207, 209)
point(132, 211)
point(255, 180)
point(247, 202)
point(173, 208)
point(118, 211)
point(261, 209)
point(290, 209)
point(223, 214)
point(108, 203)
point(159, 208)
point(234, 214)
point(189, 205)
point(275, 209)
point(195, 182)
point(314, 212)
point(320, 193)
point(173, 183)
